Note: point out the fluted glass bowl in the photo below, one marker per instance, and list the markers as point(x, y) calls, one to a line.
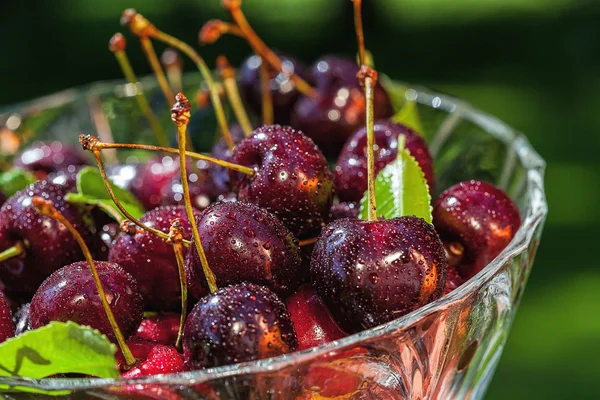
point(445, 350)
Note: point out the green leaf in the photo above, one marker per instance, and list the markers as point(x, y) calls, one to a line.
point(394, 89)
point(91, 190)
point(409, 116)
point(400, 189)
point(57, 348)
point(14, 180)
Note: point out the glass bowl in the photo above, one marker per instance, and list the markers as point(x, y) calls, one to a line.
point(447, 349)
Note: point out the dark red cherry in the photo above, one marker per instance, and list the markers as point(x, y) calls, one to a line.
point(43, 158)
point(161, 359)
point(70, 294)
point(344, 210)
point(48, 246)
point(221, 151)
point(151, 260)
point(372, 272)
point(351, 167)
point(245, 243)
point(338, 110)
point(313, 322)
point(7, 327)
point(475, 220)
point(160, 328)
point(238, 323)
point(453, 281)
point(158, 184)
point(292, 179)
point(282, 87)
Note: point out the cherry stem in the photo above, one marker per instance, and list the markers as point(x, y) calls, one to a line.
point(368, 78)
point(117, 46)
point(306, 242)
point(359, 31)
point(180, 115)
point(14, 251)
point(45, 207)
point(173, 64)
point(260, 48)
point(227, 73)
point(157, 68)
point(212, 30)
point(266, 94)
point(92, 143)
point(176, 240)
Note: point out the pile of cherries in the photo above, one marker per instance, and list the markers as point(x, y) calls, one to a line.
point(293, 265)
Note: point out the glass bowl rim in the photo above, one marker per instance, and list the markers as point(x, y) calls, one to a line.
point(536, 211)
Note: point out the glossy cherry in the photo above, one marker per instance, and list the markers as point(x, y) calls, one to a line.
point(238, 323)
point(48, 246)
point(282, 87)
point(158, 184)
point(338, 110)
point(313, 322)
point(475, 220)
point(70, 294)
point(344, 210)
point(222, 151)
point(453, 281)
point(245, 243)
point(154, 359)
point(161, 328)
point(43, 158)
point(7, 327)
point(292, 179)
point(151, 260)
point(372, 272)
point(351, 168)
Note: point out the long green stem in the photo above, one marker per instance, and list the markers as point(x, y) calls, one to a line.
point(369, 83)
point(11, 252)
point(45, 207)
point(157, 68)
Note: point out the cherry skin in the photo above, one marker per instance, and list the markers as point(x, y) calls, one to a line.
point(154, 359)
point(70, 294)
point(338, 110)
point(372, 272)
point(221, 151)
point(151, 260)
point(245, 243)
point(238, 323)
point(7, 327)
point(454, 280)
point(344, 210)
point(43, 158)
point(160, 328)
point(292, 179)
point(158, 184)
point(282, 87)
point(313, 322)
point(351, 168)
point(475, 220)
point(48, 245)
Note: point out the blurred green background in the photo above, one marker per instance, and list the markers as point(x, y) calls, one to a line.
point(533, 63)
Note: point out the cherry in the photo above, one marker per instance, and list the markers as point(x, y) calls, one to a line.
point(344, 210)
point(43, 158)
point(372, 272)
point(160, 328)
point(313, 322)
point(150, 260)
point(7, 327)
point(475, 220)
point(70, 294)
point(160, 359)
point(453, 281)
point(238, 323)
point(45, 245)
point(158, 184)
point(283, 89)
point(292, 178)
point(222, 151)
point(351, 167)
point(244, 242)
point(338, 110)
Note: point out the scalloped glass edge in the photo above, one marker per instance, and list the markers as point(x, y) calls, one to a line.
point(536, 212)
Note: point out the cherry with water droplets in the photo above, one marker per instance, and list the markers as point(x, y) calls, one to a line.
point(7, 327)
point(70, 294)
point(338, 110)
point(476, 221)
point(160, 328)
point(351, 168)
point(372, 272)
point(153, 359)
point(150, 259)
point(292, 178)
point(238, 323)
point(313, 323)
point(222, 151)
point(43, 158)
point(245, 243)
point(344, 210)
